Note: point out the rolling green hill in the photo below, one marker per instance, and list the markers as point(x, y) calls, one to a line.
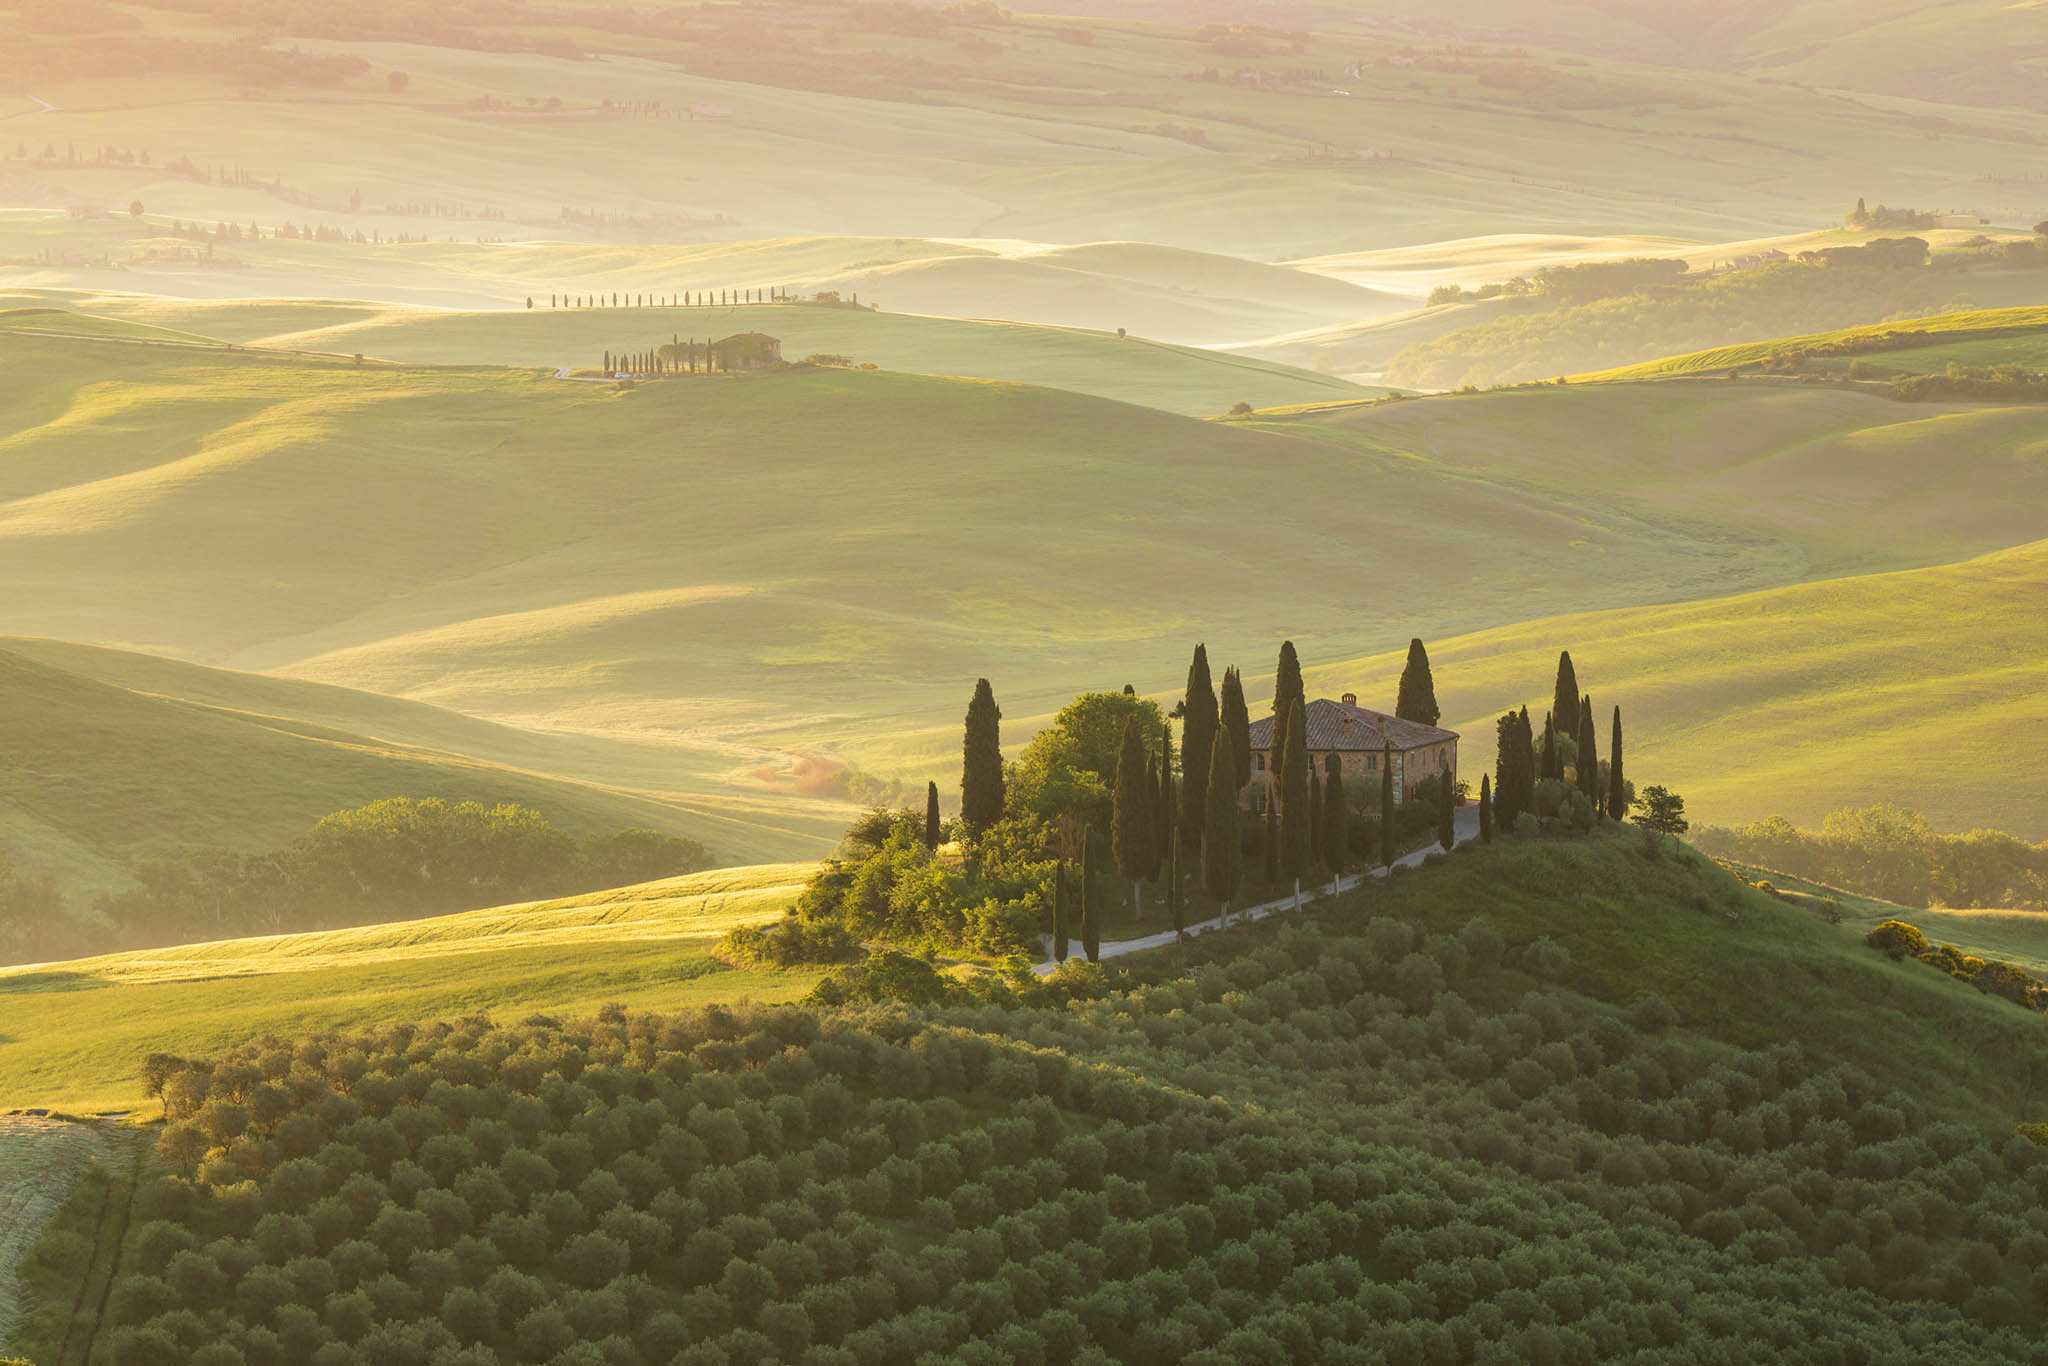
point(120, 757)
point(1531, 1099)
point(766, 575)
point(1793, 701)
point(75, 1031)
point(1133, 369)
point(1976, 337)
point(960, 124)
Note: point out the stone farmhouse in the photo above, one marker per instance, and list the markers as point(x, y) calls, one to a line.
point(1359, 739)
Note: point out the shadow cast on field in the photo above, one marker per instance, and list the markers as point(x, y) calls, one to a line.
point(36, 983)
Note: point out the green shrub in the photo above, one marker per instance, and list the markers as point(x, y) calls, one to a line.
point(1897, 939)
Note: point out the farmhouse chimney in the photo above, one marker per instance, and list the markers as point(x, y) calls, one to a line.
point(1350, 699)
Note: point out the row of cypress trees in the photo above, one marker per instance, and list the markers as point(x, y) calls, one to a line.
point(703, 298)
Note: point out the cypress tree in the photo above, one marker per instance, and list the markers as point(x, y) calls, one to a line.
point(1564, 704)
point(1585, 709)
point(1589, 759)
point(1132, 822)
point(1508, 736)
point(1296, 819)
point(1176, 903)
point(1525, 770)
point(1387, 808)
point(1417, 699)
point(1091, 903)
point(1197, 739)
point(1167, 811)
point(1617, 806)
point(981, 773)
point(1237, 720)
point(1222, 857)
point(1485, 809)
point(1316, 827)
point(1269, 847)
point(1061, 912)
point(1447, 813)
point(1336, 821)
point(1286, 692)
point(1553, 765)
point(931, 815)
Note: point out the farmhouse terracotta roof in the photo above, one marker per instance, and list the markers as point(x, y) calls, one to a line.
point(1347, 726)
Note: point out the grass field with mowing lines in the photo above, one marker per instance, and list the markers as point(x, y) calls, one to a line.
point(40, 1160)
point(72, 1034)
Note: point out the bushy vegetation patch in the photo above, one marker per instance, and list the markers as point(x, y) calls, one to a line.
point(2007, 980)
point(1593, 322)
point(395, 859)
point(1350, 1138)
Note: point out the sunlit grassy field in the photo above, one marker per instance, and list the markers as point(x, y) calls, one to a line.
point(762, 573)
point(118, 758)
point(1924, 688)
point(72, 1034)
point(1978, 337)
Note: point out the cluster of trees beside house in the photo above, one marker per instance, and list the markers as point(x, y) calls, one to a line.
point(1431, 1150)
point(1103, 796)
point(391, 860)
point(1894, 854)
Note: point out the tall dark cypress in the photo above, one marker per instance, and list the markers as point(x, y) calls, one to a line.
point(1316, 827)
point(1062, 913)
point(1176, 900)
point(1617, 803)
point(1197, 739)
point(1417, 698)
point(981, 773)
point(1512, 749)
point(1132, 822)
point(1222, 854)
point(1485, 809)
point(1091, 900)
point(1387, 808)
point(1238, 722)
point(1296, 819)
point(1286, 692)
point(1589, 759)
point(1525, 772)
point(1564, 705)
point(1553, 766)
point(1168, 809)
point(931, 815)
point(1336, 819)
point(1447, 813)
point(1269, 846)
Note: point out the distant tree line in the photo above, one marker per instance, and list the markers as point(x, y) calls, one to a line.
point(1894, 854)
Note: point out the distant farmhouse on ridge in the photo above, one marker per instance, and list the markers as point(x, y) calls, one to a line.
point(1358, 738)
